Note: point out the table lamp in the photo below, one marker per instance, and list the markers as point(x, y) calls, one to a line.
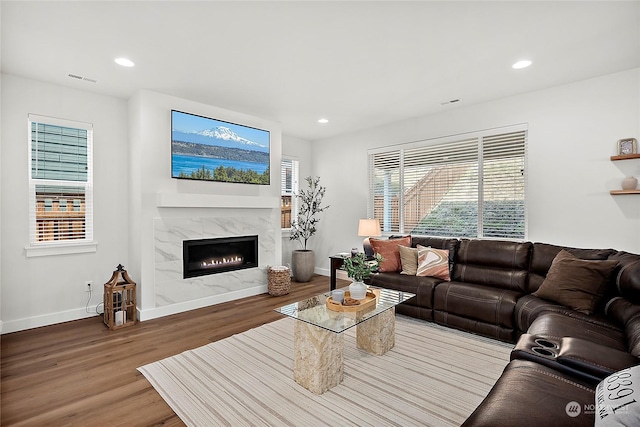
point(368, 228)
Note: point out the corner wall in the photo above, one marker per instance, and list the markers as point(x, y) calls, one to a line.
point(50, 289)
point(573, 131)
point(298, 149)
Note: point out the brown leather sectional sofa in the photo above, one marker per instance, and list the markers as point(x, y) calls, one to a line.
point(560, 354)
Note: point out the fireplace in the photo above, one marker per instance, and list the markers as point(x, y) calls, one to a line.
point(211, 256)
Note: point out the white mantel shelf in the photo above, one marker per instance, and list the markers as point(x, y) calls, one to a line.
point(191, 200)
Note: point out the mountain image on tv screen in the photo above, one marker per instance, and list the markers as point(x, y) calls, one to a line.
point(213, 150)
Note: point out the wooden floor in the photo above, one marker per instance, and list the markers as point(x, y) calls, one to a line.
point(80, 373)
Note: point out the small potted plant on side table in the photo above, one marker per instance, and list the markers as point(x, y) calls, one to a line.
point(359, 268)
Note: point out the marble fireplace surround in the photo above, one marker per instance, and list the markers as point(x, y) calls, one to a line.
point(235, 219)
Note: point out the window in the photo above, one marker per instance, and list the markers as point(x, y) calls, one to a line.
point(60, 181)
point(289, 187)
point(464, 186)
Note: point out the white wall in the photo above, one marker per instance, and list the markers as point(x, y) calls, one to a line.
point(162, 207)
point(573, 131)
point(298, 149)
point(50, 289)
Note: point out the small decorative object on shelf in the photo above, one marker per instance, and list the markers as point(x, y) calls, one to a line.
point(120, 300)
point(627, 146)
point(279, 280)
point(630, 183)
point(627, 150)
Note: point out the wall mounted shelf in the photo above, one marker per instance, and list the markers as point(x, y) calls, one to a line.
point(619, 192)
point(624, 157)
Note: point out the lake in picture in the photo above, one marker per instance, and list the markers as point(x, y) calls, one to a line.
point(187, 164)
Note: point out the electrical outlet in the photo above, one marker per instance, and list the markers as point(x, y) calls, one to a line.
point(87, 285)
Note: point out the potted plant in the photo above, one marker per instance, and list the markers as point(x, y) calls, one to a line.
point(304, 226)
point(359, 268)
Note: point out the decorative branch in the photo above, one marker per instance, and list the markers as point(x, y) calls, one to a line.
point(304, 226)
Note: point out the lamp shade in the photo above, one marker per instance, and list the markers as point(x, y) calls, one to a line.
point(369, 227)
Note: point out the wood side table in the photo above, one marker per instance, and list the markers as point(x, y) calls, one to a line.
point(336, 264)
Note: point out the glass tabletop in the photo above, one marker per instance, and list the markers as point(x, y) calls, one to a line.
point(314, 310)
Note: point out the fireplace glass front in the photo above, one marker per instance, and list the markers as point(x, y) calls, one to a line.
point(211, 256)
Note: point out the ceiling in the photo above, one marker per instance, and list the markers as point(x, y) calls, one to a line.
point(359, 64)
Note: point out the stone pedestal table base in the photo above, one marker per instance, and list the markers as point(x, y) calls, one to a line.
point(318, 359)
point(377, 335)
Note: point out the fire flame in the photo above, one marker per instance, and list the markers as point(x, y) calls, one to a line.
point(224, 261)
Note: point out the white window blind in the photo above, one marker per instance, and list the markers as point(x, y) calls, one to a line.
point(471, 186)
point(503, 185)
point(385, 183)
point(288, 188)
point(60, 181)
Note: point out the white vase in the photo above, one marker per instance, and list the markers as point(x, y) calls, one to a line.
point(629, 183)
point(358, 290)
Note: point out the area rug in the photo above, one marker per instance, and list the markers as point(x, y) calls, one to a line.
point(434, 376)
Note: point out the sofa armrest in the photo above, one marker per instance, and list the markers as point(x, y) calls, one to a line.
point(595, 359)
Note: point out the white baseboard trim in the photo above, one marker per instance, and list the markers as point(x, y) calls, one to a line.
point(321, 271)
point(340, 274)
point(154, 313)
point(44, 320)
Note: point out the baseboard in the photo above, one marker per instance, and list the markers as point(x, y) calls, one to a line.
point(340, 274)
point(44, 320)
point(80, 313)
point(154, 313)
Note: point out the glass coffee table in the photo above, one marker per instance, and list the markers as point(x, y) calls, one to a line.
point(319, 342)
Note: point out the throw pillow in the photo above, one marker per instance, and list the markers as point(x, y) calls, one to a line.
point(618, 399)
point(390, 253)
point(576, 283)
point(433, 263)
point(408, 260)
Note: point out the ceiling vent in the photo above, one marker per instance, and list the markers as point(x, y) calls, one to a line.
point(86, 79)
point(453, 101)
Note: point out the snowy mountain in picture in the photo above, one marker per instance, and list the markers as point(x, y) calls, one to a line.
point(221, 136)
point(227, 134)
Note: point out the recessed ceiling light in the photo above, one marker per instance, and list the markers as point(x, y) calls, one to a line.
point(323, 120)
point(521, 64)
point(124, 62)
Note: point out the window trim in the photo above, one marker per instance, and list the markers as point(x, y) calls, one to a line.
point(69, 246)
point(402, 148)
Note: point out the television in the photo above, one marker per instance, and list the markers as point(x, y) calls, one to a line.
point(214, 150)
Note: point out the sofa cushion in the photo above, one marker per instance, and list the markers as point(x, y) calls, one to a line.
point(496, 263)
point(433, 263)
point(388, 249)
point(543, 254)
point(528, 394)
point(480, 303)
point(408, 260)
point(627, 314)
point(490, 330)
point(576, 283)
point(627, 277)
point(529, 308)
point(557, 325)
point(439, 243)
point(421, 286)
